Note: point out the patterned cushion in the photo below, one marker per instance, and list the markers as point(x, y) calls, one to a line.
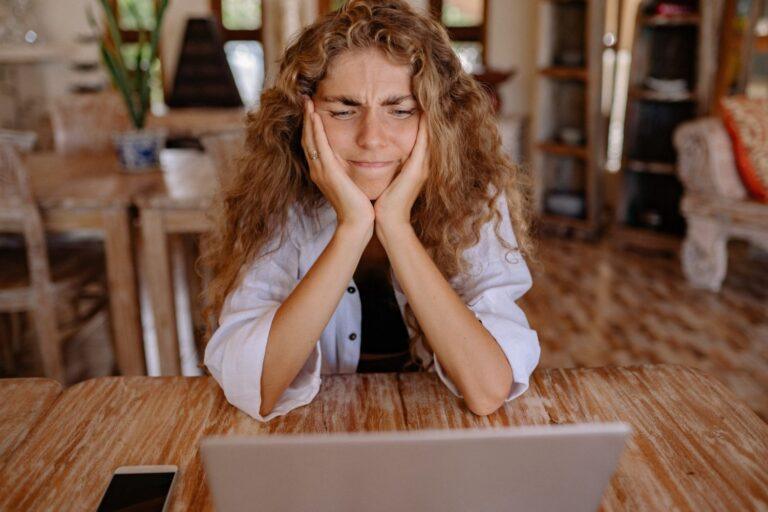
point(747, 122)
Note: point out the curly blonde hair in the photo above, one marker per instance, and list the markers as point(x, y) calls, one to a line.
point(468, 169)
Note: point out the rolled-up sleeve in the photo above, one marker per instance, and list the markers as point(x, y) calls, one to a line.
point(497, 278)
point(235, 353)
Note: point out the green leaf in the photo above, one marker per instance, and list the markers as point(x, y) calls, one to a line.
point(154, 41)
point(121, 83)
point(114, 29)
point(135, 89)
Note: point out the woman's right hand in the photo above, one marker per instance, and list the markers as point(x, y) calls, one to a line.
point(329, 172)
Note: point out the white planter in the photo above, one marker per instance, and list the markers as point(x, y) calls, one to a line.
point(140, 149)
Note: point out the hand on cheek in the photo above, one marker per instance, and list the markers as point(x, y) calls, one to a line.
point(393, 207)
point(329, 172)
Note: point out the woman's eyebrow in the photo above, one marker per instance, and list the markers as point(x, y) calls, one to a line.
point(354, 102)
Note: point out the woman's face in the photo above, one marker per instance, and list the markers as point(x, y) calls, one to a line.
point(370, 116)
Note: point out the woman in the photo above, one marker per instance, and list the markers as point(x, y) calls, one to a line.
point(374, 190)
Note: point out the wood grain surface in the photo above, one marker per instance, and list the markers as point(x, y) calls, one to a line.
point(22, 403)
point(695, 445)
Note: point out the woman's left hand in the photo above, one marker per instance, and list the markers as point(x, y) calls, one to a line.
point(393, 206)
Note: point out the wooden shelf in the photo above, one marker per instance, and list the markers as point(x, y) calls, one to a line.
point(642, 93)
point(557, 148)
point(569, 96)
point(650, 167)
point(627, 236)
point(670, 21)
point(565, 73)
point(11, 53)
point(562, 221)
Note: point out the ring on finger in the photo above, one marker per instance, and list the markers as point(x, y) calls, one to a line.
point(314, 155)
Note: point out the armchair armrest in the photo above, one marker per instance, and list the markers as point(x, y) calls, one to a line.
point(706, 163)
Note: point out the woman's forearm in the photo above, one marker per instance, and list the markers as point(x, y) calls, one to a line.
point(467, 351)
point(301, 318)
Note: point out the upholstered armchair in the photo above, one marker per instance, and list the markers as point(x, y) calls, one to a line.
point(715, 204)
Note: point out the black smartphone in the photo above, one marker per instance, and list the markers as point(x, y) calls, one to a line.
point(139, 489)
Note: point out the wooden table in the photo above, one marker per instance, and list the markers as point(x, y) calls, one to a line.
point(181, 206)
point(695, 445)
point(22, 404)
point(91, 194)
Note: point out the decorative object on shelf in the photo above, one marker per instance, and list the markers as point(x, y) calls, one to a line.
point(677, 8)
point(568, 132)
point(571, 135)
point(747, 123)
point(565, 203)
point(660, 85)
point(138, 149)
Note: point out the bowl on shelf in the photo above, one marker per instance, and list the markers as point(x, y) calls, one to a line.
point(565, 203)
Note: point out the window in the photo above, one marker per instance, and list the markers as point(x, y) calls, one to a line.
point(240, 22)
point(465, 22)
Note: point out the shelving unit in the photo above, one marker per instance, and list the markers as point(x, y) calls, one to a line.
point(671, 81)
point(568, 143)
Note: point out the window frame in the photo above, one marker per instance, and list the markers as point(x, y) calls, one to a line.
point(474, 33)
point(238, 35)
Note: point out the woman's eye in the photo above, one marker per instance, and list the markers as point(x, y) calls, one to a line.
point(342, 114)
point(404, 113)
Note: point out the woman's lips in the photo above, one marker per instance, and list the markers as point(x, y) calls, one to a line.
point(371, 165)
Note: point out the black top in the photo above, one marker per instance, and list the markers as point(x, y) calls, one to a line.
point(384, 338)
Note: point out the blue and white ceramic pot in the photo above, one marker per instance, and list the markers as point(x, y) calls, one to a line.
point(139, 150)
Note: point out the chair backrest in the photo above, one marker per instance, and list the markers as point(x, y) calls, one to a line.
point(19, 214)
point(226, 150)
point(85, 123)
point(706, 161)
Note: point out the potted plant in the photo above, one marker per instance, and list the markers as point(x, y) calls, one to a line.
point(140, 147)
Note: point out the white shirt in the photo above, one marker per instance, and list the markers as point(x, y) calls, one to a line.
point(235, 353)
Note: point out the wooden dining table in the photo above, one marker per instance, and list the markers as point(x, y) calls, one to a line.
point(695, 446)
point(93, 195)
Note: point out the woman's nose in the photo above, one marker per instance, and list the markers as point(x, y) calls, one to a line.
point(371, 132)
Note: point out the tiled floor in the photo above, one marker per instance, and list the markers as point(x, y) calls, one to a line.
point(594, 305)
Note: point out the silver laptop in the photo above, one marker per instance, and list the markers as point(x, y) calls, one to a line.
point(537, 468)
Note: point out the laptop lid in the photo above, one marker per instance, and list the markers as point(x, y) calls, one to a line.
point(558, 467)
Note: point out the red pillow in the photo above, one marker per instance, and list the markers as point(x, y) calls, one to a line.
point(746, 120)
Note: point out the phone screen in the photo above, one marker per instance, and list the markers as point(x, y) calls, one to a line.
point(137, 492)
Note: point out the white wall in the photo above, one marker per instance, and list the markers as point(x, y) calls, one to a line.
point(512, 45)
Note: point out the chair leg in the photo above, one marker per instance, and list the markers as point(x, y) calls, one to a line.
point(705, 253)
point(6, 344)
point(48, 343)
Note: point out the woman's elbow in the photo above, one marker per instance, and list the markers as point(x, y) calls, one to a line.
point(484, 407)
point(489, 403)
point(267, 404)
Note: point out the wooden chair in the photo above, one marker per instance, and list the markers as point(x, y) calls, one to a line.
point(85, 123)
point(60, 291)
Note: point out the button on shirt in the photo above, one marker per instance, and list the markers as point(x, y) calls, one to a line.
point(235, 353)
